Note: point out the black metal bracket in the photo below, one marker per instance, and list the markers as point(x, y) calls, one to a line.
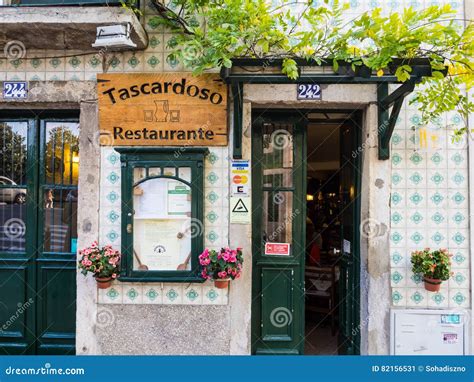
point(387, 119)
point(237, 89)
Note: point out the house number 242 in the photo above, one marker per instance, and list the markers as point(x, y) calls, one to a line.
point(309, 91)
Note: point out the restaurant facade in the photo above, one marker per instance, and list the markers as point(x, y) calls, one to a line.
point(325, 188)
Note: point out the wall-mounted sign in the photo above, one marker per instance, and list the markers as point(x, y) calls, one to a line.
point(167, 109)
point(240, 210)
point(15, 90)
point(308, 91)
point(277, 249)
point(240, 177)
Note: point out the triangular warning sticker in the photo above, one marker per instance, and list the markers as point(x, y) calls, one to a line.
point(240, 207)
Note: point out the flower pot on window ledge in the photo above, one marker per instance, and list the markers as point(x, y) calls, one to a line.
point(432, 285)
point(103, 282)
point(222, 283)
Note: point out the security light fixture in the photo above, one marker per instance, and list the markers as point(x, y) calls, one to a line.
point(114, 36)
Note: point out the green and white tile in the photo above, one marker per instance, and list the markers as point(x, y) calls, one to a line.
point(112, 295)
point(132, 294)
point(413, 280)
point(173, 294)
point(460, 258)
point(437, 219)
point(458, 298)
point(459, 279)
point(399, 297)
point(398, 257)
point(152, 294)
point(417, 298)
point(192, 295)
point(438, 300)
point(398, 277)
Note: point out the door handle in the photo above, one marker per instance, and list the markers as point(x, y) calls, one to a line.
point(129, 228)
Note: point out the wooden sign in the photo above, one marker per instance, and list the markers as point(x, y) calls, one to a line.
point(166, 109)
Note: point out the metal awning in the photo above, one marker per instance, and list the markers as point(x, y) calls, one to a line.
point(385, 100)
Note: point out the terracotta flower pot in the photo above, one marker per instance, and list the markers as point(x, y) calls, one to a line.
point(221, 284)
point(432, 285)
point(103, 282)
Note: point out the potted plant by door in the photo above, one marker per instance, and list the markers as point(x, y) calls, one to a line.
point(221, 266)
point(435, 266)
point(102, 262)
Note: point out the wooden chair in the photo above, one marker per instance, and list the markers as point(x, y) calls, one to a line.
point(320, 295)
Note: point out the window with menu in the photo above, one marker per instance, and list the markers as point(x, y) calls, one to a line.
point(162, 213)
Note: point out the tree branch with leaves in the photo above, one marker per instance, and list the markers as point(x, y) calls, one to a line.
point(209, 34)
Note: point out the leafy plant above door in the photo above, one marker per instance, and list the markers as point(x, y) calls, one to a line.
point(210, 34)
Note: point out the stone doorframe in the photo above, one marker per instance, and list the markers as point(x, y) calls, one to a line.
point(375, 209)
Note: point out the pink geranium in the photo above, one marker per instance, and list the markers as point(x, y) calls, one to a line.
point(100, 261)
point(223, 264)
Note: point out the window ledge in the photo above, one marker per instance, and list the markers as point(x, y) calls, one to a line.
point(64, 27)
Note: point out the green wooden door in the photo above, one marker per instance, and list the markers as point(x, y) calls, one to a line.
point(278, 216)
point(349, 265)
point(39, 163)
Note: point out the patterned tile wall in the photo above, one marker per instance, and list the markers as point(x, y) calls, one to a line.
point(429, 202)
point(216, 173)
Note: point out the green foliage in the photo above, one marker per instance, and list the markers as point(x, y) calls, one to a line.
point(209, 34)
point(432, 264)
point(132, 5)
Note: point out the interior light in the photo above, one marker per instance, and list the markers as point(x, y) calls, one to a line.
point(309, 197)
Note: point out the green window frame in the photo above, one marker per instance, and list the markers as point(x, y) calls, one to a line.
point(153, 157)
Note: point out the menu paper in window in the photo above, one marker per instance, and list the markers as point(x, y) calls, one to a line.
point(179, 199)
point(157, 245)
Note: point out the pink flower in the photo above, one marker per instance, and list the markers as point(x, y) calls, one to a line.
point(206, 261)
point(222, 274)
point(114, 275)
